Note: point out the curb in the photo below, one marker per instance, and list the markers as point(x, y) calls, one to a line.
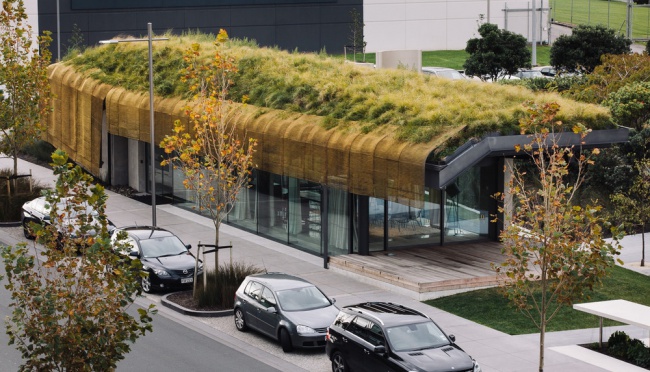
point(198, 313)
point(10, 224)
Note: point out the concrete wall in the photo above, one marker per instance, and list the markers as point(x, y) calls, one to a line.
point(443, 24)
point(408, 59)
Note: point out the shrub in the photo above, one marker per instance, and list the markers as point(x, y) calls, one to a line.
point(638, 353)
point(222, 284)
point(630, 105)
point(617, 344)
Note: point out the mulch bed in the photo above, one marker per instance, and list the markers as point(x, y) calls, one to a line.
point(186, 300)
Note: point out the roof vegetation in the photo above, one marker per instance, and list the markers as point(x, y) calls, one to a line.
point(412, 106)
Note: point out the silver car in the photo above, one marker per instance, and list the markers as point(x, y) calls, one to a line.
point(285, 307)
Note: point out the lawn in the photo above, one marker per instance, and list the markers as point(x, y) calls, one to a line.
point(612, 14)
point(490, 308)
point(456, 58)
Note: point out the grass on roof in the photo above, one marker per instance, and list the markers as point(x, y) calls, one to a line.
point(412, 106)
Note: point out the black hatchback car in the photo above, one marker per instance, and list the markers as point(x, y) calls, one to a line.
point(381, 336)
point(285, 307)
point(168, 261)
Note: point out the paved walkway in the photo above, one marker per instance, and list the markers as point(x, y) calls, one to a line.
point(494, 350)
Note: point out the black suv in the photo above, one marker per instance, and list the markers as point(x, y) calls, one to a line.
point(381, 336)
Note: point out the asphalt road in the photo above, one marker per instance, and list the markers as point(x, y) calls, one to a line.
point(177, 343)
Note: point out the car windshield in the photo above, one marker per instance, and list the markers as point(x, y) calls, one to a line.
point(162, 247)
point(418, 336)
point(301, 299)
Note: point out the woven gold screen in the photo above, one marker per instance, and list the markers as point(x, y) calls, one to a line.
point(290, 144)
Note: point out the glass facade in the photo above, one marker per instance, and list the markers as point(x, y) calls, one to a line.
point(299, 213)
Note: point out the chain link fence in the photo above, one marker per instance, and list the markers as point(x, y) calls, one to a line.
point(625, 17)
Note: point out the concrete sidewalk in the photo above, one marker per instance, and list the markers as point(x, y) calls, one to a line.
point(494, 350)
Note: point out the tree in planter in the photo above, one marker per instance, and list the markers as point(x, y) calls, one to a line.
point(69, 307)
point(554, 248)
point(26, 93)
point(497, 53)
point(632, 207)
point(215, 162)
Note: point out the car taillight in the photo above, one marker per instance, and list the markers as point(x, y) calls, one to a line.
point(327, 335)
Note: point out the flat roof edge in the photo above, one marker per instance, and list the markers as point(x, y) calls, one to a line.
point(441, 175)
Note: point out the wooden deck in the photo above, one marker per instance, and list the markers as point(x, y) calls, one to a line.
point(429, 272)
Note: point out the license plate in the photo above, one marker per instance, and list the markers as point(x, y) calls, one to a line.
point(186, 280)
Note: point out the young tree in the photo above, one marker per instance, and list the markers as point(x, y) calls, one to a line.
point(554, 248)
point(26, 93)
point(356, 34)
point(496, 53)
point(581, 51)
point(632, 207)
point(215, 162)
point(70, 306)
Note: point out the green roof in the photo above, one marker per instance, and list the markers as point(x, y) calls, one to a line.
point(411, 106)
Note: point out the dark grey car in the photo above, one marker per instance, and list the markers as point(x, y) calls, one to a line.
point(285, 307)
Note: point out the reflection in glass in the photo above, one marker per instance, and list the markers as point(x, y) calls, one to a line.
point(339, 222)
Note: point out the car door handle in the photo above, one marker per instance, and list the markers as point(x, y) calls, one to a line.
point(344, 339)
point(366, 351)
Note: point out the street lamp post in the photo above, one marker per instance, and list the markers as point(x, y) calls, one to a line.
point(150, 40)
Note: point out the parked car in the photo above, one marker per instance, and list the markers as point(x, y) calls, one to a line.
point(444, 72)
point(286, 308)
point(168, 261)
point(548, 71)
point(381, 336)
point(38, 211)
point(530, 74)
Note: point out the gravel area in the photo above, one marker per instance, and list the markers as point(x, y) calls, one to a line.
point(311, 360)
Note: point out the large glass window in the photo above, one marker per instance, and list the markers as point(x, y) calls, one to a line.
point(273, 203)
point(466, 216)
point(409, 226)
point(304, 221)
point(338, 222)
point(244, 211)
point(376, 224)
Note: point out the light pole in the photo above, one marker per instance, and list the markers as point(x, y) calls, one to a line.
point(150, 40)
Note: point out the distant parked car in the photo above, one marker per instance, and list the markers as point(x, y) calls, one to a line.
point(168, 262)
point(38, 211)
point(546, 70)
point(530, 74)
point(381, 336)
point(444, 72)
point(285, 307)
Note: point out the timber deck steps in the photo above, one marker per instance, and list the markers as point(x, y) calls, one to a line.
point(447, 268)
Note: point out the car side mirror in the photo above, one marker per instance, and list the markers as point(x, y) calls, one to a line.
point(381, 349)
point(271, 309)
point(333, 300)
point(452, 338)
point(46, 218)
point(188, 246)
point(134, 254)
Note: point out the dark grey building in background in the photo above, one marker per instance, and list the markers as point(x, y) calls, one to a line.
point(305, 25)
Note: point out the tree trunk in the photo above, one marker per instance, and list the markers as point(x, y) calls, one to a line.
point(542, 333)
point(216, 250)
point(643, 245)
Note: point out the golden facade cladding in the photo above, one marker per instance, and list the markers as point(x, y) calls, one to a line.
point(290, 144)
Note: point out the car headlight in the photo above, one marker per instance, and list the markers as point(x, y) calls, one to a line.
point(304, 329)
point(477, 368)
point(160, 272)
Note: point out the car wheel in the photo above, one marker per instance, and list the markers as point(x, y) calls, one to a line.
point(338, 363)
point(26, 231)
point(285, 340)
point(240, 322)
point(146, 283)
